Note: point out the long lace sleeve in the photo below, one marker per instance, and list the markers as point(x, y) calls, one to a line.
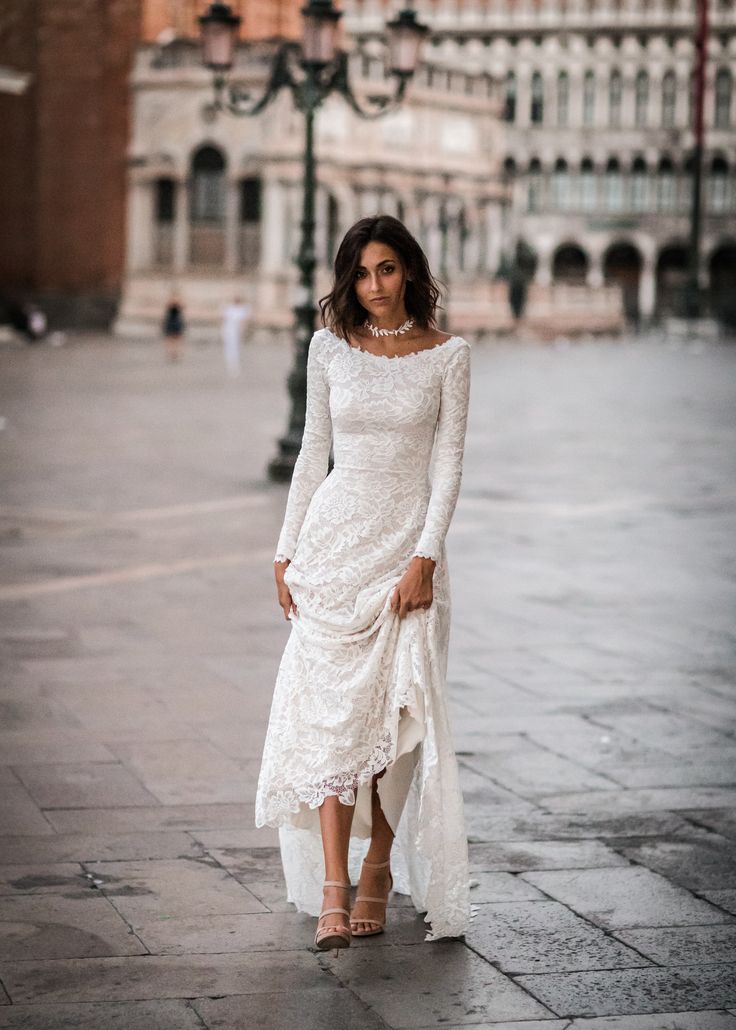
point(448, 453)
point(312, 461)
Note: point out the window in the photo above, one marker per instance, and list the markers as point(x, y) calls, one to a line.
point(639, 185)
point(666, 191)
point(250, 200)
point(509, 110)
point(588, 99)
point(560, 186)
point(563, 99)
point(615, 88)
point(208, 186)
point(613, 194)
point(718, 198)
point(165, 201)
point(669, 96)
point(724, 89)
point(535, 185)
point(588, 198)
point(641, 99)
point(536, 113)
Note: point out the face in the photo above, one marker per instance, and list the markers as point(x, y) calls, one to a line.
point(380, 282)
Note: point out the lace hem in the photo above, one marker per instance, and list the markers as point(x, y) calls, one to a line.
point(281, 558)
point(342, 786)
point(422, 554)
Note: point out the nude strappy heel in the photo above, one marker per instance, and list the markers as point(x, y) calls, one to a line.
point(377, 923)
point(333, 936)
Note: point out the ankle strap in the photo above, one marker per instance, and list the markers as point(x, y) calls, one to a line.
point(336, 883)
point(376, 865)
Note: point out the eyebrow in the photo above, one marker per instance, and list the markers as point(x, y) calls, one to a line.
point(386, 261)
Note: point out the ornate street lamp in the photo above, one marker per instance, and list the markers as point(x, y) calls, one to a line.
point(312, 71)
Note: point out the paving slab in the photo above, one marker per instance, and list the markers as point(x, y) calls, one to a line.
point(721, 820)
point(449, 984)
point(616, 992)
point(723, 899)
point(82, 785)
point(491, 888)
point(544, 936)
point(53, 927)
point(516, 856)
point(141, 978)
point(663, 1021)
point(681, 945)
point(175, 817)
point(97, 847)
point(19, 813)
point(187, 772)
point(657, 800)
point(625, 897)
point(702, 862)
point(534, 773)
point(128, 1015)
point(46, 878)
point(262, 837)
point(575, 826)
point(166, 888)
point(312, 1009)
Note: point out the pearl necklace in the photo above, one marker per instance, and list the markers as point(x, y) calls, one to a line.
point(389, 332)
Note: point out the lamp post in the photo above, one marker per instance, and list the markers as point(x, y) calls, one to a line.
point(693, 296)
point(311, 70)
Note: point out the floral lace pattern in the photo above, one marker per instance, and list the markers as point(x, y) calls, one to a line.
point(352, 670)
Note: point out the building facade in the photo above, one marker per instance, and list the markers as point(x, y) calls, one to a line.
point(598, 113)
point(215, 201)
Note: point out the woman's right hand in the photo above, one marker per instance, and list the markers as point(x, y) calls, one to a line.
point(286, 601)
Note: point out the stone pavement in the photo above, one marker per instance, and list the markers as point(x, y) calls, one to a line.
point(591, 681)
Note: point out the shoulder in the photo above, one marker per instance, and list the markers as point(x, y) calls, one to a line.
point(457, 350)
point(322, 341)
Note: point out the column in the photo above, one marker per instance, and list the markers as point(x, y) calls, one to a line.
point(140, 225)
point(272, 245)
point(232, 225)
point(181, 225)
point(594, 276)
point(543, 274)
point(647, 288)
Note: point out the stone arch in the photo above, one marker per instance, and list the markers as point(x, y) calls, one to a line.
point(207, 186)
point(722, 282)
point(570, 264)
point(671, 278)
point(622, 267)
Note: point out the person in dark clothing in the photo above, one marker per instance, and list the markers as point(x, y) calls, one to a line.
point(173, 329)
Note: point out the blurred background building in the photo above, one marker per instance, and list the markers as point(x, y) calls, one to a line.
point(550, 140)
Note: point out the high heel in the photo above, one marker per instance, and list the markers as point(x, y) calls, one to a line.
point(379, 924)
point(333, 936)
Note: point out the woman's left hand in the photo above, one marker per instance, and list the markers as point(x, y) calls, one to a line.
point(414, 589)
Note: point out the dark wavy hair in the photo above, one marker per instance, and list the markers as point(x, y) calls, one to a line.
point(341, 309)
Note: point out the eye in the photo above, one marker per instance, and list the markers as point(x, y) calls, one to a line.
point(359, 274)
point(388, 269)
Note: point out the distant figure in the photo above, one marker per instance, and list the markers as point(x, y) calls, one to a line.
point(517, 292)
point(173, 329)
point(234, 319)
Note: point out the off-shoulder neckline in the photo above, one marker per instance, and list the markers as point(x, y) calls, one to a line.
point(395, 357)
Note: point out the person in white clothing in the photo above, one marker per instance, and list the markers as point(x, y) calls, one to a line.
point(234, 319)
point(358, 761)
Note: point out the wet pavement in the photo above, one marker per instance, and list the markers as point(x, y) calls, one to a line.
point(592, 677)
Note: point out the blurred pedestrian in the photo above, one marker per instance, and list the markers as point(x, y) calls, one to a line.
point(517, 292)
point(173, 329)
point(234, 319)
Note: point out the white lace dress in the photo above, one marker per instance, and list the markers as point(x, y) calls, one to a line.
point(358, 689)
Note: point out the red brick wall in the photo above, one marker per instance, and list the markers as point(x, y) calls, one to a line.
point(261, 19)
point(62, 205)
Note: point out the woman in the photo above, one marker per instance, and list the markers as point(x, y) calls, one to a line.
point(358, 745)
point(173, 329)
